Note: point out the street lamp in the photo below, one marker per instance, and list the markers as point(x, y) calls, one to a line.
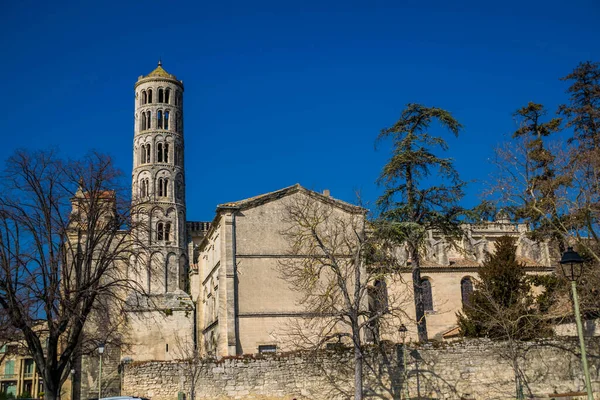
point(101, 352)
point(571, 264)
point(402, 330)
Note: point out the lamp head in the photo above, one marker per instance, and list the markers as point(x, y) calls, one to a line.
point(571, 264)
point(101, 348)
point(402, 330)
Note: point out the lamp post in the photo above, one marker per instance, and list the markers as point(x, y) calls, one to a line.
point(73, 384)
point(572, 266)
point(101, 352)
point(402, 331)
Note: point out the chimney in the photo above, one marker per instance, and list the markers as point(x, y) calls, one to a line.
point(326, 193)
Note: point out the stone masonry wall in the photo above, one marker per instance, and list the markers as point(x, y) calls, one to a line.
point(476, 369)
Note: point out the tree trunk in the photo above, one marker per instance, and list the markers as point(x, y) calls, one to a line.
point(358, 373)
point(418, 293)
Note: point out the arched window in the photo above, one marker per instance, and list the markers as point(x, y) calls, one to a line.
point(163, 187)
point(166, 152)
point(150, 96)
point(427, 295)
point(144, 97)
point(167, 95)
point(166, 120)
point(159, 152)
point(148, 120)
point(160, 231)
point(168, 231)
point(144, 188)
point(143, 127)
point(161, 95)
point(159, 120)
point(176, 98)
point(143, 154)
point(148, 153)
point(466, 290)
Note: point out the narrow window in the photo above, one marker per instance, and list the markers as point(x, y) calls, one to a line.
point(160, 186)
point(142, 188)
point(166, 120)
point(144, 97)
point(159, 120)
point(150, 96)
point(143, 121)
point(148, 119)
point(167, 231)
point(143, 154)
point(161, 96)
point(159, 151)
point(147, 153)
point(166, 157)
point(466, 290)
point(427, 295)
point(159, 231)
point(176, 98)
point(167, 95)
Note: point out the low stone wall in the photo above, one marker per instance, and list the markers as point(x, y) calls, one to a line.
point(475, 369)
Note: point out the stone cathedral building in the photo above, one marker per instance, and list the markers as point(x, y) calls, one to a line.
point(214, 286)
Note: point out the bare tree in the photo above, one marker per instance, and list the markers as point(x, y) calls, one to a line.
point(64, 241)
point(337, 266)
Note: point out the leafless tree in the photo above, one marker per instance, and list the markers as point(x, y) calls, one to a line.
point(65, 237)
point(337, 265)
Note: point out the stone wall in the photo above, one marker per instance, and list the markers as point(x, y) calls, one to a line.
point(476, 369)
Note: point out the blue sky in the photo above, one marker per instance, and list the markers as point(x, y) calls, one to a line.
point(283, 92)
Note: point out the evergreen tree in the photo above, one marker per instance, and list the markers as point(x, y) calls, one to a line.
point(409, 206)
point(502, 306)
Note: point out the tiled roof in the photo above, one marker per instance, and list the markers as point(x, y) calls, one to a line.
point(160, 72)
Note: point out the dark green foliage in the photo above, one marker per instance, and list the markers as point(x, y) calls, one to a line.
point(502, 306)
point(583, 112)
point(410, 205)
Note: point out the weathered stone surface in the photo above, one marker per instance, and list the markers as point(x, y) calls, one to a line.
point(474, 369)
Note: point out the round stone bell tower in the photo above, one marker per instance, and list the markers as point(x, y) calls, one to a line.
point(158, 180)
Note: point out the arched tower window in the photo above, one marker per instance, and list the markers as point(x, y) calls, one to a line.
point(159, 152)
point(163, 187)
point(160, 231)
point(166, 152)
point(144, 97)
point(150, 96)
point(161, 95)
point(159, 119)
point(176, 98)
point(168, 231)
point(144, 187)
point(427, 295)
point(143, 122)
point(466, 290)
point(148, 119)
point(167, 95)
point(166, 119)
point(148, 153)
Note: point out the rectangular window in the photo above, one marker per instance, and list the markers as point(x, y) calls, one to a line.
point(267, 348)
point(9, 367)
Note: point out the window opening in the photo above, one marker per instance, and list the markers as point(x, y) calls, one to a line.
point(159, 231)
point(167, 231)
point(166, 120)
point(159, 120)
point(167, 95)
point(166, 155)
point(150, 96)
point(159, 151)
point(427, 296)
point(466, 290)
point(161, 96)
point(144, 97)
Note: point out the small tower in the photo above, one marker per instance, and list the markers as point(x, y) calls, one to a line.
point(158, 180)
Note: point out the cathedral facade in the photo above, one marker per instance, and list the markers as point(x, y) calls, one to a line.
point(214, 287)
